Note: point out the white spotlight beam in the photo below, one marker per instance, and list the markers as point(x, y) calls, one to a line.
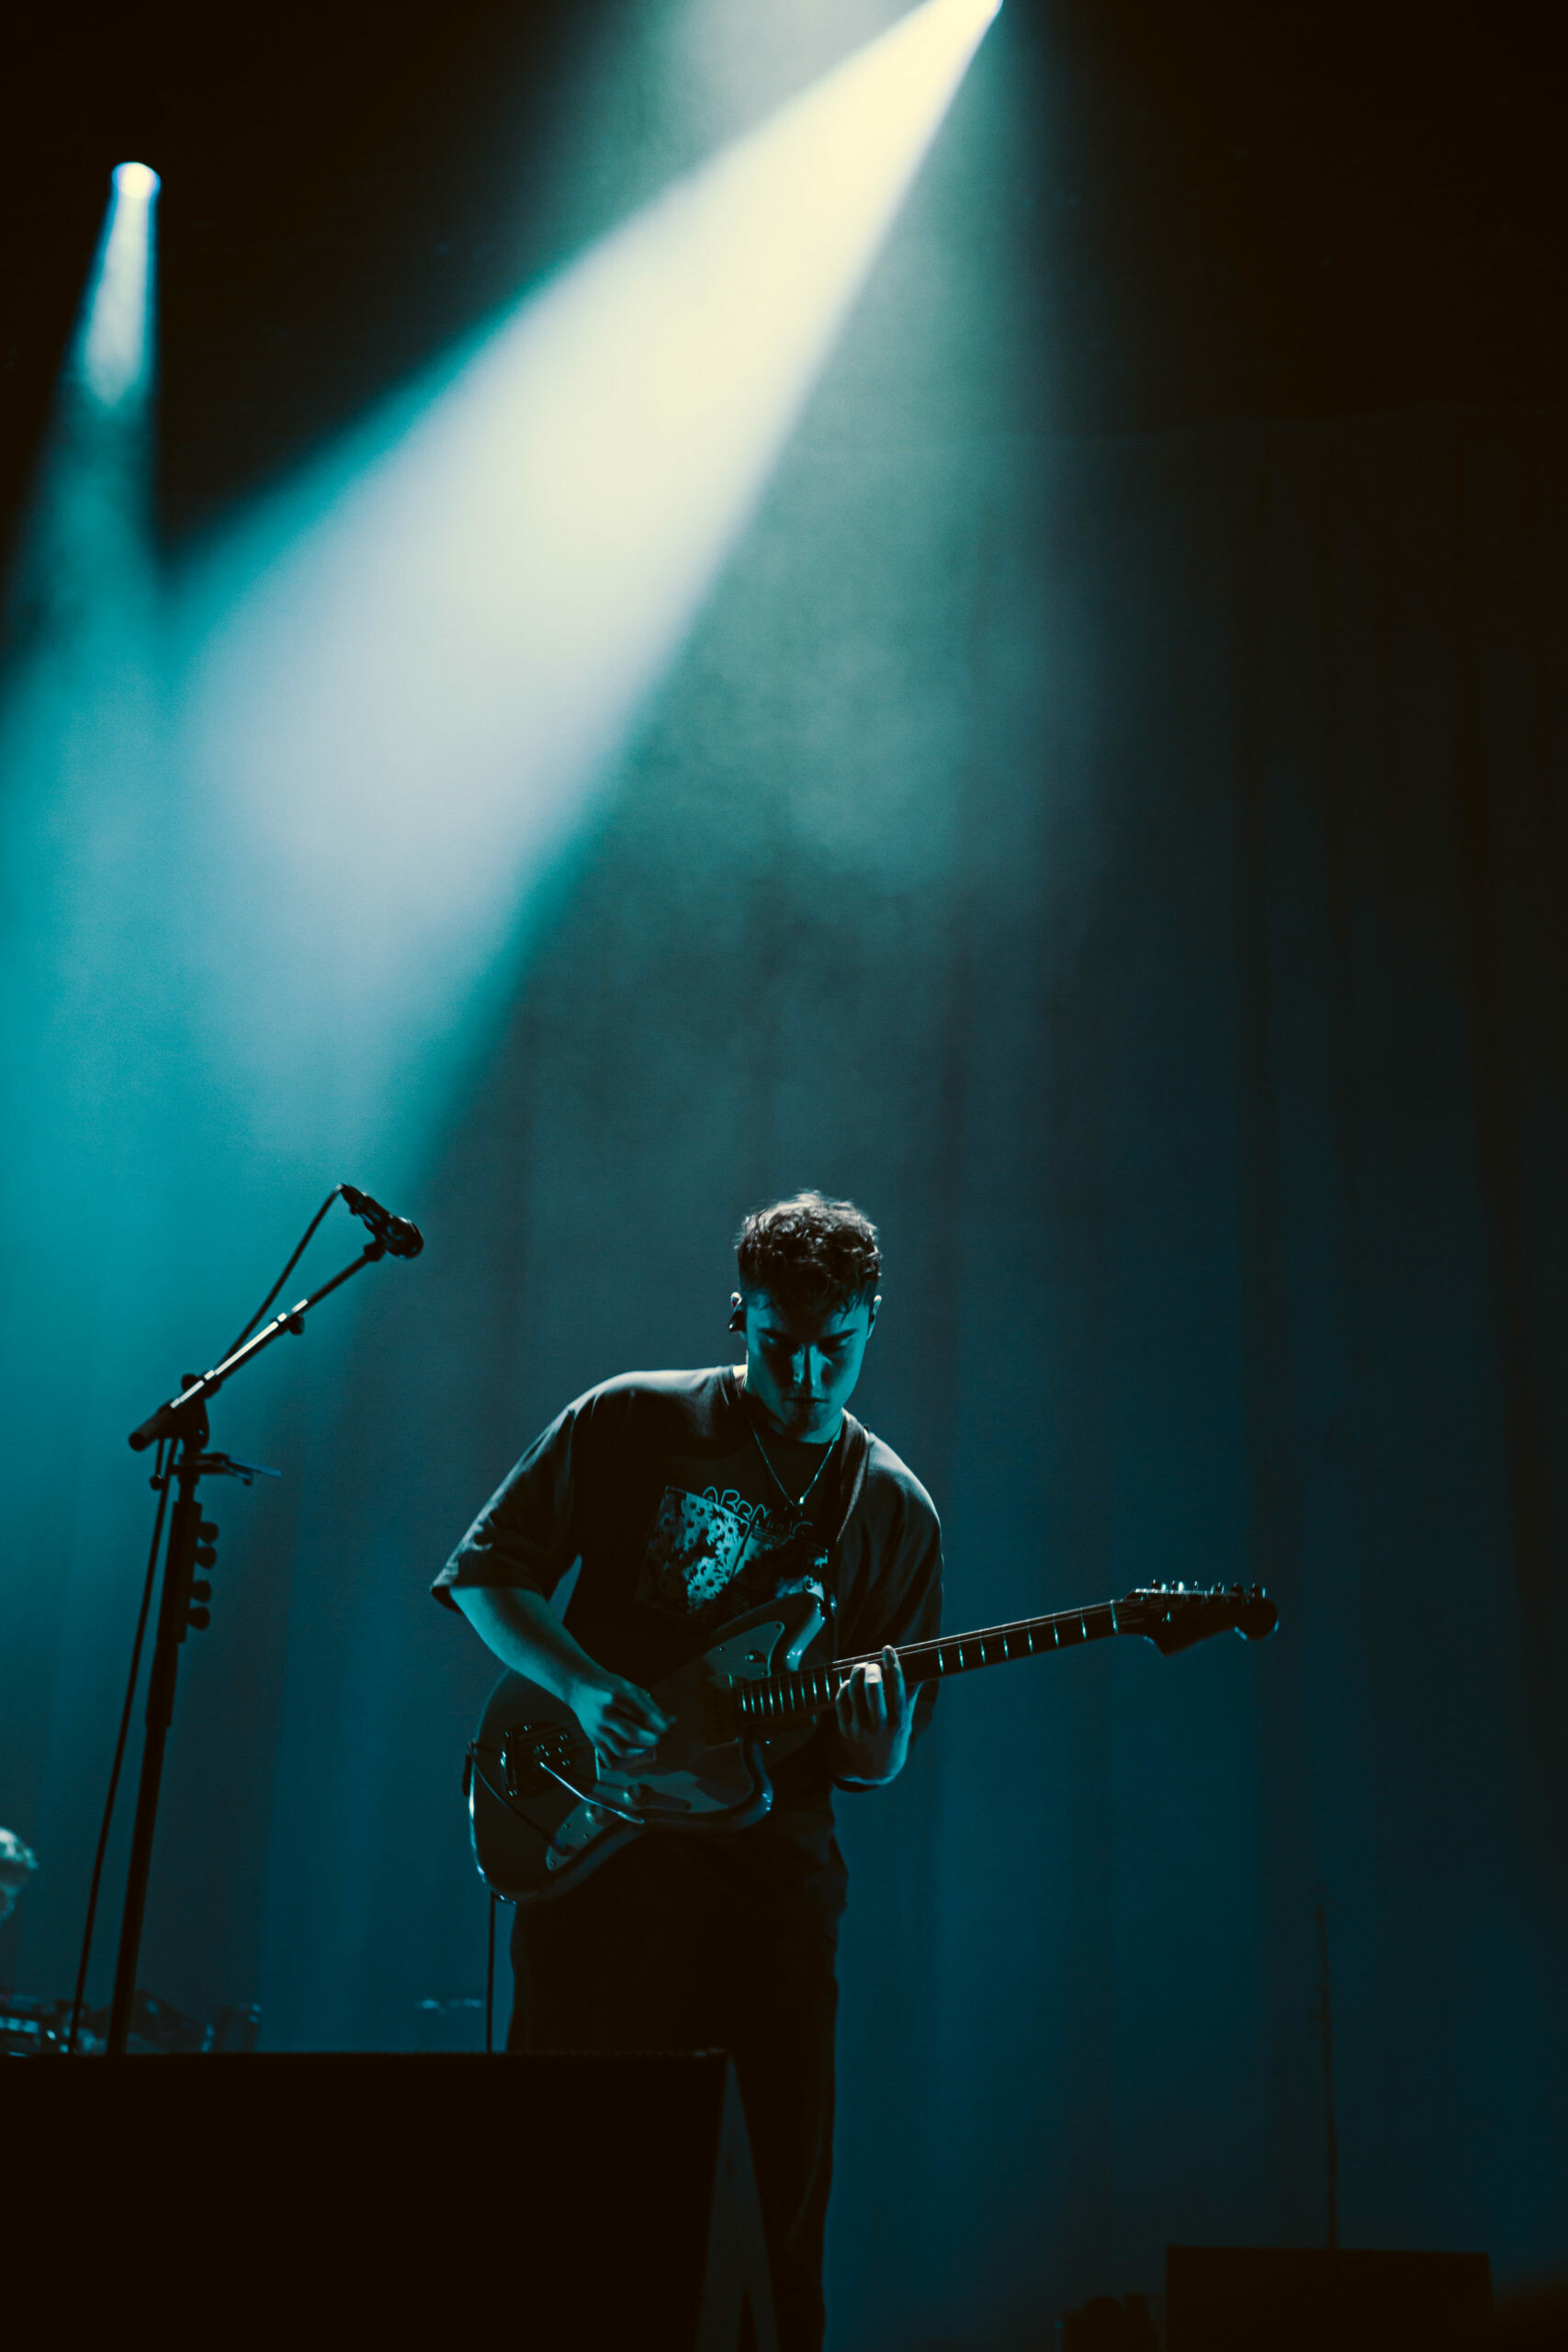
point(117, 331)
point(82, 564)
point(409, 674)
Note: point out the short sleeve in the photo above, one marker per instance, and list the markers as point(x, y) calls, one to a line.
point(526, 1536)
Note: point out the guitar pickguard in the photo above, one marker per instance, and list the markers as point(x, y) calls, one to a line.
point(700, 1768)
point(537, 1819)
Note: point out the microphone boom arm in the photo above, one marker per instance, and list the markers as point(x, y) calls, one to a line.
point(390, 1236)
point(180, 1413)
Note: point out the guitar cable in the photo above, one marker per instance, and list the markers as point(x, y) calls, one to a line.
point(489, 1980)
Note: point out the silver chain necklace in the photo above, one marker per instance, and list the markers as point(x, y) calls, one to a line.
point(794, 1503)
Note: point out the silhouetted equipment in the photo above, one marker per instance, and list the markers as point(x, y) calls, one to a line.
point(1106, 2325)
point(17, 1863)
point(1300, 2299)
point(453, 2026)
point(554, 2202)
point(31, 2027)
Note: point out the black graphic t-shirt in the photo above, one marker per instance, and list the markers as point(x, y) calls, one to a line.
point(657, 1483)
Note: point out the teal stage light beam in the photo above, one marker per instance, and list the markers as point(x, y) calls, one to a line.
point(80, 700)
point(83, 848)
point(407, 677)
point(83, 548)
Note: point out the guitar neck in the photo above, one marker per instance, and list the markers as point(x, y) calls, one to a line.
point(790, 1698)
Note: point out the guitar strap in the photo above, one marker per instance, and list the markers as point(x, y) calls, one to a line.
point(852, 1486)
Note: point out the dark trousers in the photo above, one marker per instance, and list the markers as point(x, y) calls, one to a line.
point(716, 1943)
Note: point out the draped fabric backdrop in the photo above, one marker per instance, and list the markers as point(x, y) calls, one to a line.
point(1131, 869)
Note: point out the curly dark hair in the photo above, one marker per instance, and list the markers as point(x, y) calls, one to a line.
point(809, 1251)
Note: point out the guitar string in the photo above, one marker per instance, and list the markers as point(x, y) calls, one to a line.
point(787, 1691)
point(812, 1692)
point(1099, 1610)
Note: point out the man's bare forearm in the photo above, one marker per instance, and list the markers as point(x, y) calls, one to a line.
point(524, 1631)
point(525, 1635)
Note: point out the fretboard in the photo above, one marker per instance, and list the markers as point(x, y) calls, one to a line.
point(786, 1698)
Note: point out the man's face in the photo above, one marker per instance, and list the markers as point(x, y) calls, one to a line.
point(801, 1366)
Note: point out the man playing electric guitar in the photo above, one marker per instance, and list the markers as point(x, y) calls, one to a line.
point(691, 1497)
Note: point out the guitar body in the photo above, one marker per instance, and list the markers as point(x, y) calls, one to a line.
point(542, 1816)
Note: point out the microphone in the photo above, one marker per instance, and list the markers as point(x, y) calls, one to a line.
point(399, 1239)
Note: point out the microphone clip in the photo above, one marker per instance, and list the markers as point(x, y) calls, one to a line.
point(397, 1234)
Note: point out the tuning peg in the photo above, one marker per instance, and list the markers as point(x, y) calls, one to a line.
point(199, 1618)
point(207, 1537)
point(201, 1590)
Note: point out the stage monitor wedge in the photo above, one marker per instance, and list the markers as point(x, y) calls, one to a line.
point(162, 2204)
point(1302, 2298)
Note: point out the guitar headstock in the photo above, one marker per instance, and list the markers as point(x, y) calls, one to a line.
point(1174, 1616)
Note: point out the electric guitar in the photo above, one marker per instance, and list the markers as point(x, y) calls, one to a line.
point(543, 1814)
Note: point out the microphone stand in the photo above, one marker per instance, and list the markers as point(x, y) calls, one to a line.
point(182, 1423)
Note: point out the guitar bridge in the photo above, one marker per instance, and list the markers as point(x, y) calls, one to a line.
point(530, 1761)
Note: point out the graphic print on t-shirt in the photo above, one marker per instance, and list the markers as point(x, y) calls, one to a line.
point(714, 1556)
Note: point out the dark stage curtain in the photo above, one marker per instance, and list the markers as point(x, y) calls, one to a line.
point(1134, 869)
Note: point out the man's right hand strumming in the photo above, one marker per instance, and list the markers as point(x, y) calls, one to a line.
point(623, 1723)
point(524, 1631)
